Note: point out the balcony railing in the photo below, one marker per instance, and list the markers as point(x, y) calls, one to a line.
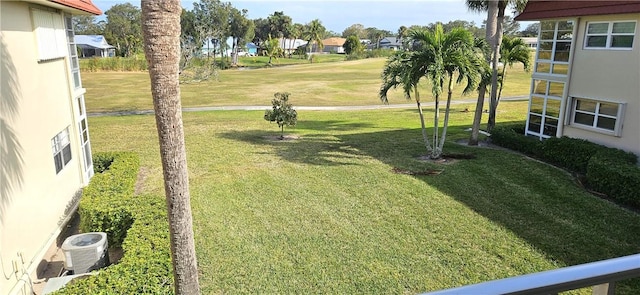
point(602, 275)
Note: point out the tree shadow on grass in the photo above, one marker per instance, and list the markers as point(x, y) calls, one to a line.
point(539, 203)
point(313, 149)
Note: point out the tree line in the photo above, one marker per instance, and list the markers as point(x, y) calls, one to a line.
point(212, 22)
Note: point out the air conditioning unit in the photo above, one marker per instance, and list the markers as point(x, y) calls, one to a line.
point(85, 252)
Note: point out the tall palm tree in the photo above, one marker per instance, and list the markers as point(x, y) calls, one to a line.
point(495, 19)
point(402, 33)
point(512, 50)
point(440, 58)
point(483, 48)
point(313, 34)
point(161, 33)
point(297, 31)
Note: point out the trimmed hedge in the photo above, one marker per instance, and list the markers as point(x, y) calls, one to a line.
point(615, 178)
point(608, 170)
point(574, 154)
point(508, 136)
point(139, 223)
point(105, 201)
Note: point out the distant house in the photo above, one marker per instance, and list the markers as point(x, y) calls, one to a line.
point(252, 49)
point(587, 69)
point(290, 45)
point(391, 43)
point(531, 42)
point(94, 45)
point(45, 151)
point(333, 45)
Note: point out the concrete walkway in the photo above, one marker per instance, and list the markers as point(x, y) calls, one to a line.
point(303, 108)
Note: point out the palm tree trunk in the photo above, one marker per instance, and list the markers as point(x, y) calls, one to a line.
point(161, 32)
point(477, 117)
point(434, 152)
point(422, 124)
point(504, 76)
point(446, 114)
point(490, 35)
point(493, 102)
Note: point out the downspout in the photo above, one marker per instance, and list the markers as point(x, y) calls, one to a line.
point(564, 103)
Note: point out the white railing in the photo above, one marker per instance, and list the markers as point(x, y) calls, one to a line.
point(602, 275)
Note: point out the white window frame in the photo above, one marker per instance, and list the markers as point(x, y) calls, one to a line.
point(552, 61)
point(619, 117)
point(61, 148)
point(609, 35)
point(50, 34)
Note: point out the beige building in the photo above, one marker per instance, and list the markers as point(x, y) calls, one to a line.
point(333, 44)
point(45, 154)
point(586, 80)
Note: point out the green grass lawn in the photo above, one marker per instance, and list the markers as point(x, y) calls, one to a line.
point(326, 214)
point(263, 61)
point(342, 83)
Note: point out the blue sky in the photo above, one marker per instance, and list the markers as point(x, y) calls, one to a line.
point(338, 15)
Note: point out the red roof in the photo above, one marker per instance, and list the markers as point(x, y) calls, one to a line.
point(544, 9)
point(84, 5)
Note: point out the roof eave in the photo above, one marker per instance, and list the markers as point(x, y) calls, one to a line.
point(540, 10)
point(76, 6)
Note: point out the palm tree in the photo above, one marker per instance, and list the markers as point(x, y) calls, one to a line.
point(402, 33)
point(161, 33)
point(439, 57)
point(313, 34)
point(399, 71)
point(495, 19)
point(296, 31)
point(485, 80)
point(512, 50)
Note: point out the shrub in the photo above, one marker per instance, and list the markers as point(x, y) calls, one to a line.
point(138, 223)
point(102, 162)
point(129, 64)
point(608, 170)
point(146, 266)
point(615, 177)
point(103, 207)
point(512, 137)
point(574, 154)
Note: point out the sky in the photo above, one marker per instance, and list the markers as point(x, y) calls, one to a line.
point(338, 15)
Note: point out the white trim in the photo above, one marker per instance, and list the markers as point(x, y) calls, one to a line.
point(619, 117)
point(609, 34)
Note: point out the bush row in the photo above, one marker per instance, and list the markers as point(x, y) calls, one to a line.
point(146, 266)
point(121, 64)
point(370, 54)
point(608, 170)
point(105, 201)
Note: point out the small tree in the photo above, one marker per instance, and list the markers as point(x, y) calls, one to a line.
point(282, 112)
point(353, 45)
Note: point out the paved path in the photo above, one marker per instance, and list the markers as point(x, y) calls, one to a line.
point(305, 108)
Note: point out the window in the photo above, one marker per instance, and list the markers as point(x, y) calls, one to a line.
point(544, 108)
point(598, 115)
point(50, 34)
point(73, 53)
point(549, 78)
point(610, 34)
point(554, 47)
point(61, 147)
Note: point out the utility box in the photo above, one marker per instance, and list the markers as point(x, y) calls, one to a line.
point(85, 252)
